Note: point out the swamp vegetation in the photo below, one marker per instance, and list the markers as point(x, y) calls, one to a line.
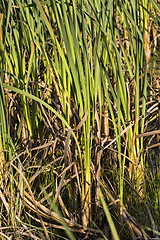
point(79, 119)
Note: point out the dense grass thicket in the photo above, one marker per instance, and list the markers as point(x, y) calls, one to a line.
point(79, 119)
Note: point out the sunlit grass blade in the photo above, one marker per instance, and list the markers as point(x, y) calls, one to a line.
point(109, 218)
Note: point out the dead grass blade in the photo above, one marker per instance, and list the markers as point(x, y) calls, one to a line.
point(26, 151)
point(8, 238)
point(148, 134)
point(52, 215)
point(61, 227)
point(61, 182)
point(82, 121)
point(29, 234)
point(4, 201)
point(33, 199)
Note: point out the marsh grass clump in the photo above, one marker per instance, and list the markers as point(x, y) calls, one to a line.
point(80, 120)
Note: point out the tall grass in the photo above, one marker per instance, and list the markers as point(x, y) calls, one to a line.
point(73, 100)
